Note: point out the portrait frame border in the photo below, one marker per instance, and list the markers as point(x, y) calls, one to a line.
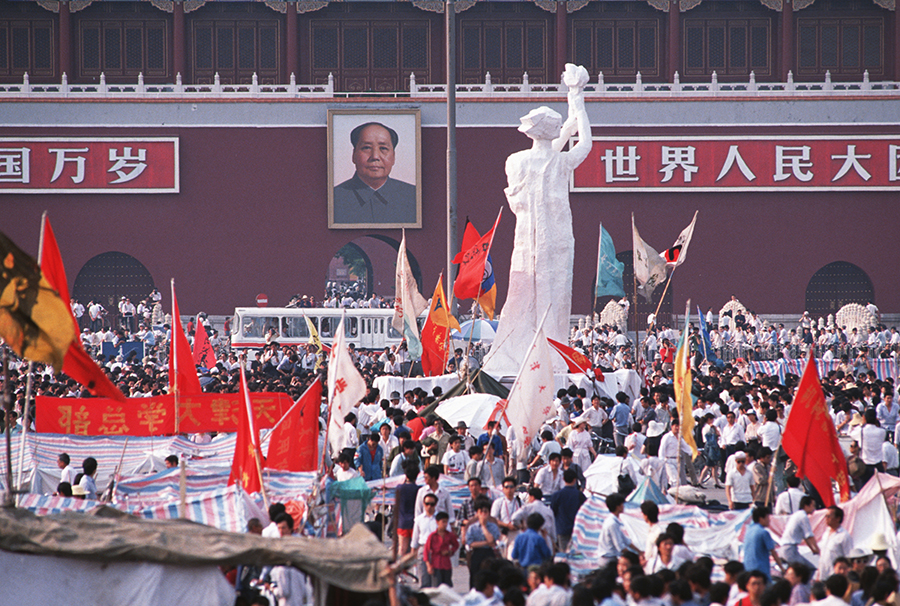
point(371, 114)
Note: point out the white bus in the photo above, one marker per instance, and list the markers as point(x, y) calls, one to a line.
point(365, 328)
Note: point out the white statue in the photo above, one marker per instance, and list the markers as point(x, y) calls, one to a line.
point(544, 249)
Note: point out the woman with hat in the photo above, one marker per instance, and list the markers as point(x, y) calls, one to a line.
point(580, 443)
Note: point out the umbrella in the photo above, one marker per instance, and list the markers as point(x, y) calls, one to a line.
point(476, 330)
point(474, 409)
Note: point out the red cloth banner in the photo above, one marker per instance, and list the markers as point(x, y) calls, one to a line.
point(750, 163)
point(294, 444)
point(95, 165)
point(155, 416)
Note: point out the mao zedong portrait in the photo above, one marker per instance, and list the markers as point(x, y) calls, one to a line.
point(371, 195)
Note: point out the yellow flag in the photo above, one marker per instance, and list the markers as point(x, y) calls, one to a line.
point(34, 321)
point(683, 387)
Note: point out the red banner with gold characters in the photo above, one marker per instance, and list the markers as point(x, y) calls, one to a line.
point(155, 416)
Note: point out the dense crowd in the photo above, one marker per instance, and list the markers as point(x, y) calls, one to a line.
point(521, 509)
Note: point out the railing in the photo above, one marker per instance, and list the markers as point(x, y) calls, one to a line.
point(598, 88)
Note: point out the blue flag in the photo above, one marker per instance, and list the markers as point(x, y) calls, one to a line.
point(707, 343)
point(609, 269)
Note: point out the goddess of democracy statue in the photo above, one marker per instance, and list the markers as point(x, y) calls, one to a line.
point(544, 248)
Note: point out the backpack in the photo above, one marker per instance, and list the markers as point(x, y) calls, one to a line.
point(625, 485)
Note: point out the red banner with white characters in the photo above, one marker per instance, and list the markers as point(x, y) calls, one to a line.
point(155, 416)
point(756, 163)
point(89, 165)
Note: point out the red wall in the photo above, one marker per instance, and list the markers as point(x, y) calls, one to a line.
point(251, 218)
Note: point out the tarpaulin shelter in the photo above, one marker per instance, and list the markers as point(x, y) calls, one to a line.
point(113, 558)
point(477, 381)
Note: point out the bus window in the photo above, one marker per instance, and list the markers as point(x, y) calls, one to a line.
point(235, 323)
point(350, 327)
point(327, 326)
point(393, 334)
point(296, 328)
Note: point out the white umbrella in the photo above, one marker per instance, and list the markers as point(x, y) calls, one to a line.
point(475, 409)
point(476, 330)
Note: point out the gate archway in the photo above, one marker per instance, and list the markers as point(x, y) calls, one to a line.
point(110, 276)
point(836, 285)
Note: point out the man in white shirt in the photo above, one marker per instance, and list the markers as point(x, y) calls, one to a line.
point(788, 501)
point(836, 542)
point(870, 438)
point(534, 503)
point(67, 473)
point(668, 452)
point(799, 530)
point(613, 540)
point(455, 459)
point(739, 484)
point(549, 477)
point(423, 526)
point(432, 487)
point(770, 431)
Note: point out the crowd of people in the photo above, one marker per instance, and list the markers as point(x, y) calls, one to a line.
point(521, 510)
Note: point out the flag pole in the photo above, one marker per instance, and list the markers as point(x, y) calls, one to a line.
point(29, 380)
point(173, 353)
point(662, 298)
point(9, 501)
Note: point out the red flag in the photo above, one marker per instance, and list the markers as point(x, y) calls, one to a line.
point(575, 360)
point(293, 445)
point(182, 372)
point(204, 355)
point(434, 333)
point(810, 439)
point(471, 259)
point(248, 461)
point(76, 363)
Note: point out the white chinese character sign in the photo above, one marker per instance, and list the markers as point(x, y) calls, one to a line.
point(95, 165)
point(753, 163)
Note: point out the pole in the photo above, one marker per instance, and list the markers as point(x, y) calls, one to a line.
point(452, 244)
point(665, 290)
point(174, 355)
point(8, 500)
point(29, 381)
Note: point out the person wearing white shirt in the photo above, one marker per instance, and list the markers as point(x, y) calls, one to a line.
point(770, 431)
point(891, 458)
point(799, 530)
point(423, 526)
point(739, 484)
point(455, 459)
point(870, 438)
point(613, 540)
point(836, 542)
point(788, 501)
point(67, 473)
point(549, 477)
point(668, 452)
point(887, 412)
point(432, 487)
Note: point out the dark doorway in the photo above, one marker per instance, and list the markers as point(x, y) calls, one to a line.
point(836, 285)
point(110, 276)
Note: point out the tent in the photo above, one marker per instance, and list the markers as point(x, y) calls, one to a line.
point(480, 382)
point(474, 408)
point(108, 557)
point(648, 491)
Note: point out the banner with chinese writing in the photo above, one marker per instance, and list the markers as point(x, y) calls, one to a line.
point(89, 165)
point(752, 163)
point(155, 416)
